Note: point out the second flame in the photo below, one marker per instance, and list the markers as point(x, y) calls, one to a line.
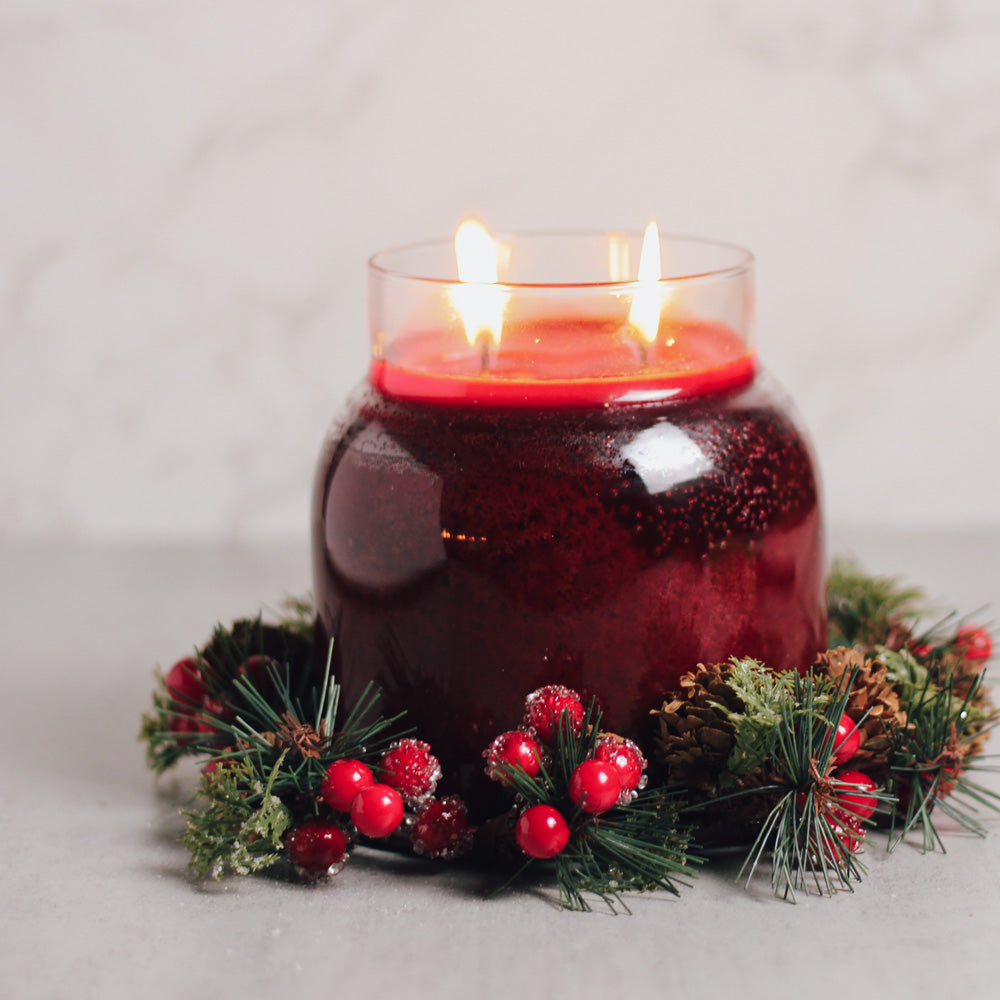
point(647, 302)
point(477, 299)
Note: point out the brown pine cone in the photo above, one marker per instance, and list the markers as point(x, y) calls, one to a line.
point(695, 737)
point(870, 693)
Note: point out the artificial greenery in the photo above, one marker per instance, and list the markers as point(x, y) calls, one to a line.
point(633, 848)
point(741, 749)
point(241, 826)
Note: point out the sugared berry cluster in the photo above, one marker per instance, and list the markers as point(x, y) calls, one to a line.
point(611, 776)
point(410, 773)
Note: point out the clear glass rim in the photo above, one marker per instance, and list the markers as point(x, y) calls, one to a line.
point(741, 259)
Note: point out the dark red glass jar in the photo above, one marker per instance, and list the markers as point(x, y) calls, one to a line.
point(477, 534)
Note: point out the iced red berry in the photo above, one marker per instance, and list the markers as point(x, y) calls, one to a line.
point(411, 768)
point(317, 847)
point(441, 829)
point(550, 707)
point(626, 756)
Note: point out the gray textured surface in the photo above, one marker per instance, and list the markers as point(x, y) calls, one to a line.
point(97, 901)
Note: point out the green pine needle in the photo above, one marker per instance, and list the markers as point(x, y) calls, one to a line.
point(633, 848)
point(930, 763)
point(243, 826)
point(862, 609)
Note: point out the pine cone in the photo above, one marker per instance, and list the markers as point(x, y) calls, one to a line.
point(695, 737)
point(870, 693)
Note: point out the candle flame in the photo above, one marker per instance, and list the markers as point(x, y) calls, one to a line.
point(479, 304)
point(644, 316)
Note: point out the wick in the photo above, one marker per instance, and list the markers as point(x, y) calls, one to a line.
point(643, 354)
point(484, 357)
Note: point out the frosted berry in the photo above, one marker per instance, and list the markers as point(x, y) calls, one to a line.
point(410, 767)
point(441, 829)
point(974, 643)
point(548, 706)
point(318, 847)
point(847, 742)
point(344, 779)
point(627, 758)
point(377, 810)
point(541, 832)
point(595, 786)
point(512, 750)
point(855, 805)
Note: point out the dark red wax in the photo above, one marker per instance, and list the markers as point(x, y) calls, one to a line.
point(465, 555)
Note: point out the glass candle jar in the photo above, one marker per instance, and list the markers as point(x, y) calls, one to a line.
point(561, 497)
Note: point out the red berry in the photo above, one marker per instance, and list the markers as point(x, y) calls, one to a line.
point(441, 829)
point(318, 847)
point(186, 686)
point(541, 832)
point(377, 810)
point(627, 758)
point(854, 804)
point(344, 779)
point(410, 767)
point(212, 707)
point(185, 682)
point(939, 779)
point(847, 742)
point(595, 786)
point(921, 650)
point(258, 669)
point(974, 643)
point(512, 750)
point(549, 706)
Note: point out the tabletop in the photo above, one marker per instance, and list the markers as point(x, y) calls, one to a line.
point(97, 900)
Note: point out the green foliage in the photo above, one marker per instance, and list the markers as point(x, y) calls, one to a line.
point(221, 665)
point(802, 837)
point(241, 828)
point(762, 692)
point(862, 609)
point(164, 747)
point(931, 765)
point(633, 848)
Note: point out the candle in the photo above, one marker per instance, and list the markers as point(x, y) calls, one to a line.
point(580, 481)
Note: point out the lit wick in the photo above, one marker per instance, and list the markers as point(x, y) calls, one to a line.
point(478, 297)
point(647, 301)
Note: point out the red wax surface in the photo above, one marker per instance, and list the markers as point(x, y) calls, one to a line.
point(565, 362)
point(466, 555)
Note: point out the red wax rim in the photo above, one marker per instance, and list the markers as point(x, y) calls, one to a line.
point(486, 390)
point(566, 362)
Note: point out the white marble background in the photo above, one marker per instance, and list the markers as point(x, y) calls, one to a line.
point(189, 190)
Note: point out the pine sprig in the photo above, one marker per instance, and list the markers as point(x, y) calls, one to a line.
point(863, 609)
point(810, 850)
point(242, 827)
point(757, 726)
point(930, 762)
point(634, 848)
